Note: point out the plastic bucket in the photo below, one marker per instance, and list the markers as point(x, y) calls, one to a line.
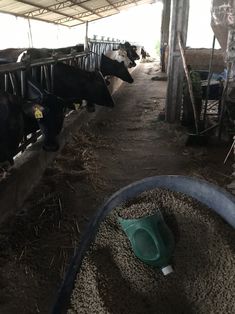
point(216, 198)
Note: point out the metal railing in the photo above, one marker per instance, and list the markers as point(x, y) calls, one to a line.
point(42, 66)
point(96, 48)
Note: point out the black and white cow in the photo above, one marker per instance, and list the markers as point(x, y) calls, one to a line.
point(119, 55)
point(115, 68)
point(131, 52)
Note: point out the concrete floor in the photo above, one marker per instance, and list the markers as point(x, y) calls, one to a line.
point(115, 148)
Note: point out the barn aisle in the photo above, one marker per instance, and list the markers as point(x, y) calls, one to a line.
point(115, 148)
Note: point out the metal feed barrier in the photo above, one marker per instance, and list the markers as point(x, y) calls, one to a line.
point(42, 70)
point(96, 48)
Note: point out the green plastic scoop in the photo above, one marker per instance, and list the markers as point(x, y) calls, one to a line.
point(151, 240)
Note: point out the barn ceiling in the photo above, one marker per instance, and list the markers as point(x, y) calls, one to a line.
point(67, 13)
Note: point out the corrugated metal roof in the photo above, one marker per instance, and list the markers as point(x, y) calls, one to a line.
point(67, 13)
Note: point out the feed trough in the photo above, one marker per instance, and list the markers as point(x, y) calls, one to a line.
point(216, 199)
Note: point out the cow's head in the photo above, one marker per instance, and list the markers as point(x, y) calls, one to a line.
point(122, 72)
point(122, 56)
point(49, 117)
point(100, 94)
point(131, 51)
point(115, 68)
point(11, 126)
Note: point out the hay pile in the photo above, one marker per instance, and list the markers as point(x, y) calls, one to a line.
point(113, 280)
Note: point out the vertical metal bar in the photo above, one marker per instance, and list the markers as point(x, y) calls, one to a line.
point(6, 82)
point(47, 79)
point(190, 85)
point(41, 75)
point(223, 98)
point(34, 73)
point(22, 83)
point(13, 83)
point(209, 80)
point(86, 38)
point(52, 78)
point(30, 34)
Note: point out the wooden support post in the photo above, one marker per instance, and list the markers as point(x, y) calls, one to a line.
point(166, 12)
point(179, 23)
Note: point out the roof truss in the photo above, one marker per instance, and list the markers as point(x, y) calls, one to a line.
point(68, 13)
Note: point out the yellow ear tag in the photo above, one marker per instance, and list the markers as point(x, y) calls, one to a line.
point(77, 106)
point(38, 113)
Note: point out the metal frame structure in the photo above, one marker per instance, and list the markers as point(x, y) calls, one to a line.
point(68, 13)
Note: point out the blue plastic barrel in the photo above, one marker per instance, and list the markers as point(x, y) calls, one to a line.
point(216, 198)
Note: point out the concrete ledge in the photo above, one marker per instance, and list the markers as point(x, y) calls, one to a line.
point(30, 166)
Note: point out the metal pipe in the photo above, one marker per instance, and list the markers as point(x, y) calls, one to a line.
point(13, 83)
point(21, 65)
point(52, 78)
point(41, 75)
point(22, 83)
point(209, 80)
point(47, 78)
point(86, 38)
point(223, 98)
point(30, 34)
point(189, 81)
point(6, 82)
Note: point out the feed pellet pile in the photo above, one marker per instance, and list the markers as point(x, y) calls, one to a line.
point(113, 280)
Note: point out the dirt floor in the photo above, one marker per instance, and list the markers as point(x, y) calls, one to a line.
point(117, 147)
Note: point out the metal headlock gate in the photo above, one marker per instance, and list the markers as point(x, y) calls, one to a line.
point(42, 70)
point(96, 49)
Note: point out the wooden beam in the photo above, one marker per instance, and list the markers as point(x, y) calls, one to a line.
point(179, 23)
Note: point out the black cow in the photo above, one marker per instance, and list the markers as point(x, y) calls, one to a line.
point(11, 126)
point(115, 68)
point(74, 85)
point(21, 54)
point(18, 119)
point(11, 54)
point(41, 110)
point(34, 53)
point(49, 112)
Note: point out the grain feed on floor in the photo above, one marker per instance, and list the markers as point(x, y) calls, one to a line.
point(113, 280)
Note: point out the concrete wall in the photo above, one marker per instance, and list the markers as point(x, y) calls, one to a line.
point(30, 166)
point(199, 59)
